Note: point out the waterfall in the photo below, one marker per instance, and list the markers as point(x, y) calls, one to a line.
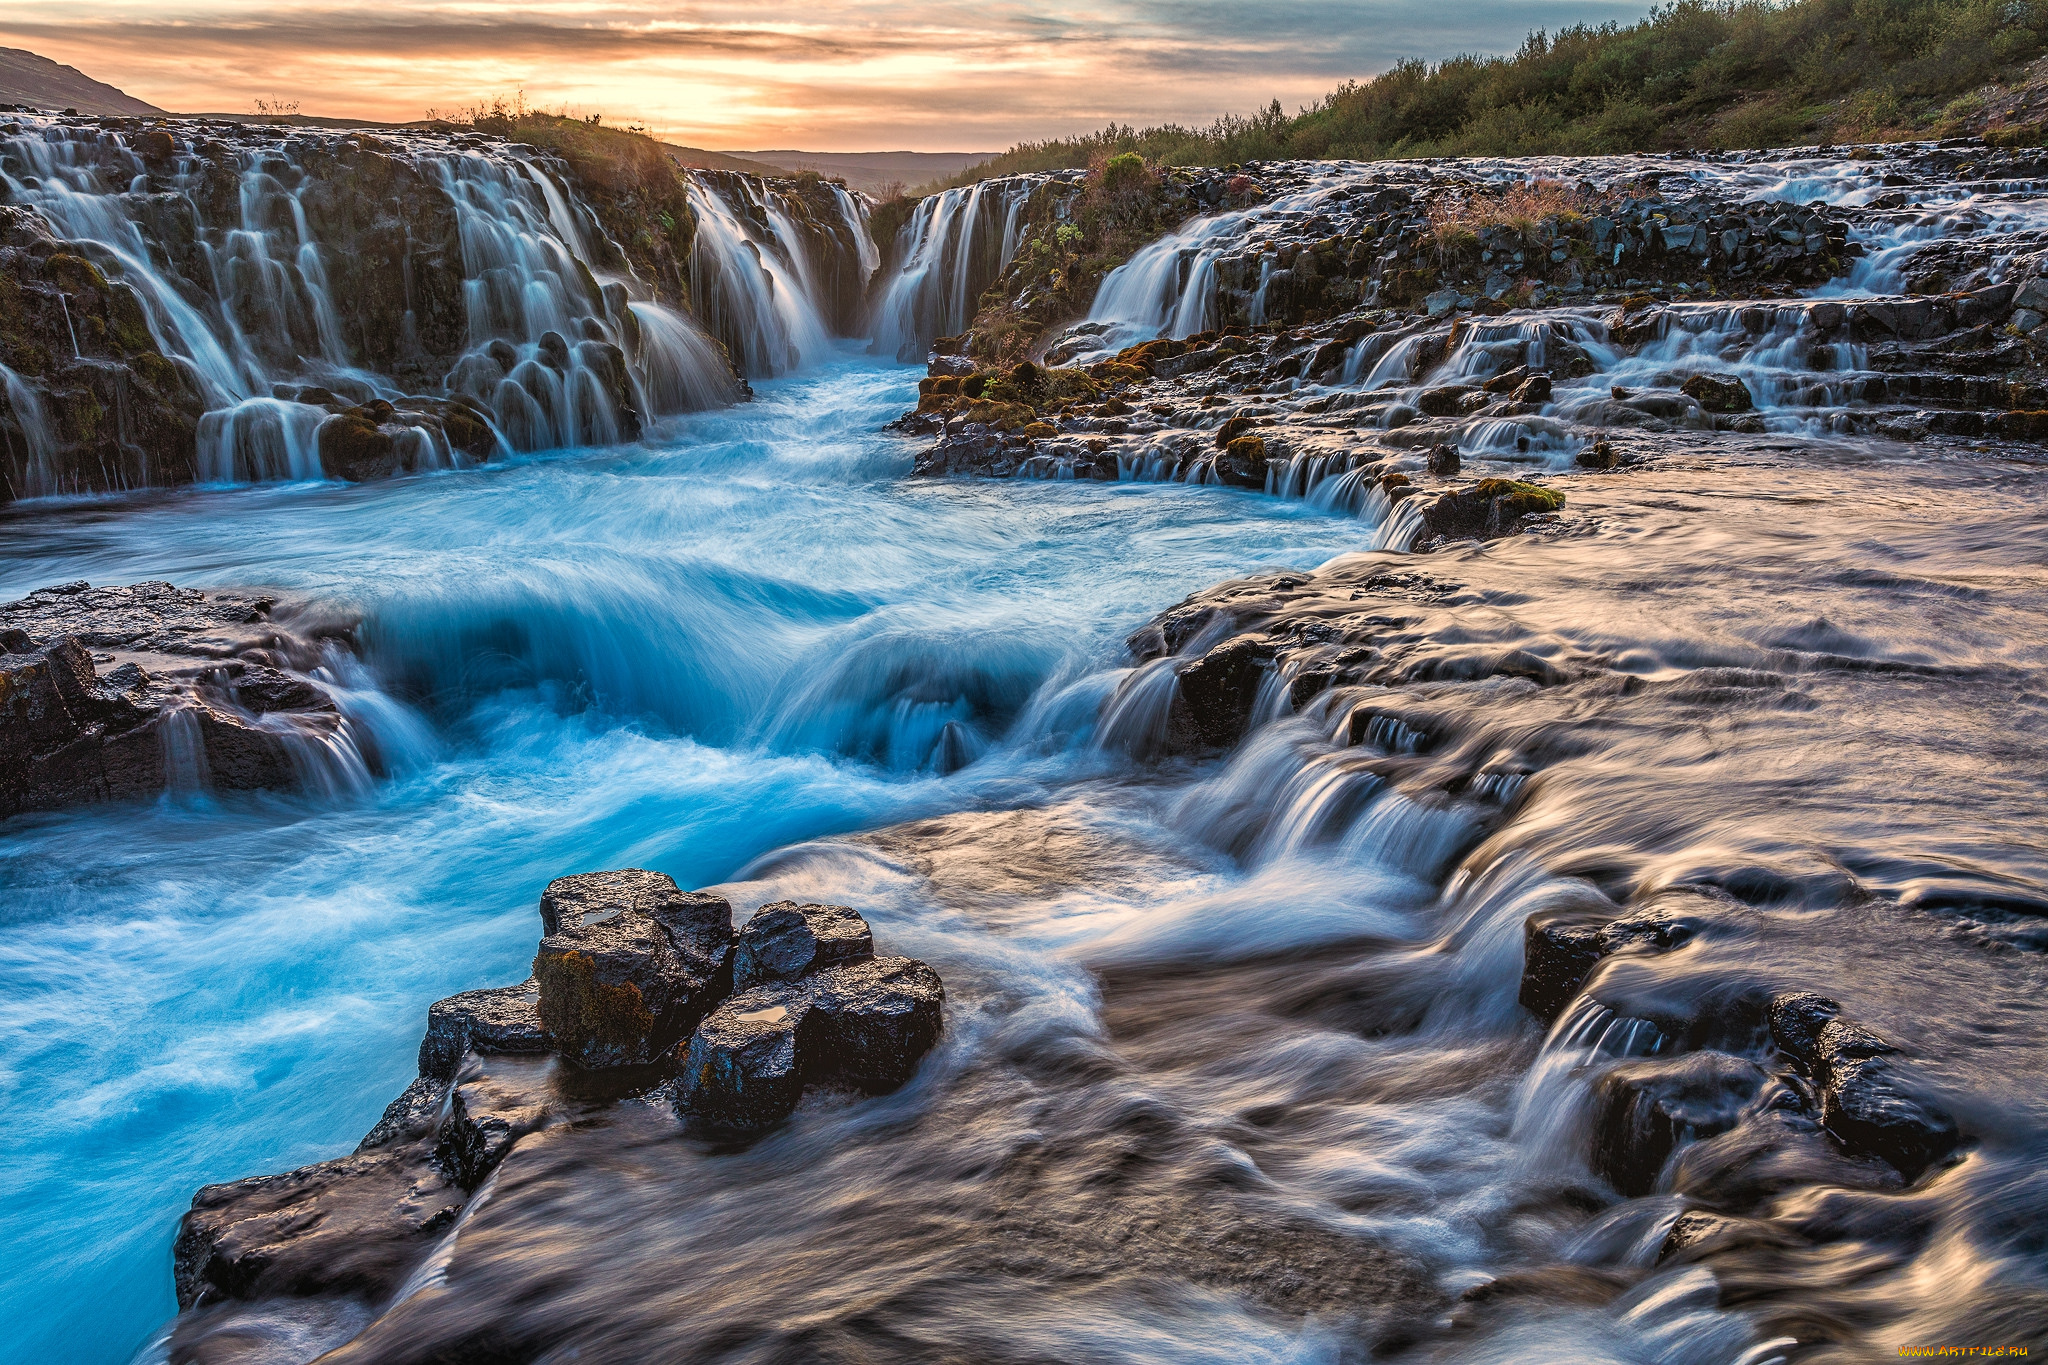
point(31, 469)
point(752, 278)
point(954, 247)
point(292, 276)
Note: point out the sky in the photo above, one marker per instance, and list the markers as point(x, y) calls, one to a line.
point(828, 75)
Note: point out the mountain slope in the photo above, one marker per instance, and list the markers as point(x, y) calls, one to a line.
point(1695, 74)
point(26, 78)
point(874, 172)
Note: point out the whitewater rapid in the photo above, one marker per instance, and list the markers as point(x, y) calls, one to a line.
point(680, 655)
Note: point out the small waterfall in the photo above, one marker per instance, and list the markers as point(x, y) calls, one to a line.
point(752, 277)
point(31, 469)
point(259, 277)
point(954, 247)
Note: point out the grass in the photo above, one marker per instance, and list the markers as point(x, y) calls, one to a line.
point(1694, 74)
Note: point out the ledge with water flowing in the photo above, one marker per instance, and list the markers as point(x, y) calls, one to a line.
point(231, 303)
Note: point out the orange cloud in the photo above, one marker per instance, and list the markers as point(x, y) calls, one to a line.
point(842, 75)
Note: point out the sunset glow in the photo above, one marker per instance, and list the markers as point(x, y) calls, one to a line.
point(849, 74)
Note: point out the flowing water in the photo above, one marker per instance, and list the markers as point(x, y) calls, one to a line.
point(1234, 1065)
point(679, 656)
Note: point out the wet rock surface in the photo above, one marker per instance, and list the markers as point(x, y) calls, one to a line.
point(115, 693)
point(639, 968)
point(816, 1007)
point(1382, 330)
point(630, 962)
point(356, 337)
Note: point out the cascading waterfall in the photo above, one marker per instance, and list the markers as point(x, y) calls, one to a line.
point(956, 244)
point(250, 266)
point(751, 276)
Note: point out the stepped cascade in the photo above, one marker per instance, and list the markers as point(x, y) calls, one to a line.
point(241, 303)
point(1419, 761)
point(954, 246)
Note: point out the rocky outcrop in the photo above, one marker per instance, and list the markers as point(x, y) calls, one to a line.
point(198, 691)
point(93, 402)
point(356, 1225)
point(629, 962)
point(1862, 1091)
point(224, 329)
point(815, 1006)
point(641, 964)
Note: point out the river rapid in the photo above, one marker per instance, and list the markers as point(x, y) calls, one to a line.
point(1235, 1067)
point(681, 656)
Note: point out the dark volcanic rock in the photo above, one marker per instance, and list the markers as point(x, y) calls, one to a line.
point(821, 1009)
point(179, 705)
point(1648, 1109)
point(1869, 1098)
point(1217, 690)
point(352, 1226)
point(501, 1019)
point(356, 1225)
point(785, 941)
point(1718, 393)
point(1484, 510)
point(572, 902)
point(872, 1023)
point(620, 991)
point(741, 1071)
point(1558, 950)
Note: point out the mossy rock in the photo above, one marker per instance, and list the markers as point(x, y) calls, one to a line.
point(2024, 426)
point(1231, 430)
point(579, 1010)
point(354, 448)
point(73, 272)
point(1041, 431)
point(1523, 499)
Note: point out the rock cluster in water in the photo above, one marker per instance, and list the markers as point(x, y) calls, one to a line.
point(639, 988)
point(118, 692)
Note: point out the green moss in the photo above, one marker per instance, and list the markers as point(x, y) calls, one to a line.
point(1523, 499)
point(579, 1010)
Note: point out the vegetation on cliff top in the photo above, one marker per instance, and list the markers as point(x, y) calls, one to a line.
point(630, 179)
point(1694, 74)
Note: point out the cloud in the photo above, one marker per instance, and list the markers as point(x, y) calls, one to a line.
point(832, 75)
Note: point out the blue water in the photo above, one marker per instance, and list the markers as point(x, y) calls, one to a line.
point(680, 655)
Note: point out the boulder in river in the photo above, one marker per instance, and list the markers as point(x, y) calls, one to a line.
point(355, 1225)
point(1648, 1109)
point(621, 989)
point(785, 941)
point(820, 1009)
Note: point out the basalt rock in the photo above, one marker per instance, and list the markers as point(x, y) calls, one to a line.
point(1717, 393)
point(356, 1225)
point(504, 1019)
point(190, 679)
point(621, 990)
point(1485, 510)
point(1216, 691)
point(1870, 1099)
point(1648, 1109)
point(819, 1009)
point(785, 941)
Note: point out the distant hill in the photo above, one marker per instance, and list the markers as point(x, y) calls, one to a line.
point(722, 161)
point(41, 83)
point(874, 172)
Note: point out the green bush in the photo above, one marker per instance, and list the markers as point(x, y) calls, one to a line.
point(1695, 73)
